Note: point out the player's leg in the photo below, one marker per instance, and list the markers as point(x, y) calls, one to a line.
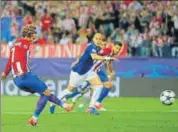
point(81, 89)
point(78, 92)
point(33, 83)
point(107, 87)
point(74, 79)
point(25, 83)
point(96, 85)
point(86, 100)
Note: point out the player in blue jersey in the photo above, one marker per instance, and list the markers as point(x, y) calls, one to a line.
point(106, 76)
point(82, 71)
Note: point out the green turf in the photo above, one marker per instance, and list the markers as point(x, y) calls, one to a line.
point(123, 115)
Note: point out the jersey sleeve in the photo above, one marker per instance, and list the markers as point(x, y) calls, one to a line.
point(91, 50)
point(8, 66)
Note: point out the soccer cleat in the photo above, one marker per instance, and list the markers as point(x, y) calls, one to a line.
point(32, 121)
point(52, 109)
point(100, 107)
point(93, 111)
point(69, 107)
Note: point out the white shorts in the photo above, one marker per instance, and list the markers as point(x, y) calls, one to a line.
point(76, 79)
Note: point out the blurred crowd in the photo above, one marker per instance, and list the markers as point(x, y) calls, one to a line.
point(149, 28)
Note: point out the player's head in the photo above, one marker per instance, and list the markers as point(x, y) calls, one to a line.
point(102, 44)
point(97, 38)
point(116, 47)
point(29, 32)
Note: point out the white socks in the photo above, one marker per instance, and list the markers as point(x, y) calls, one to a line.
point(96, 94)
point(64, 93)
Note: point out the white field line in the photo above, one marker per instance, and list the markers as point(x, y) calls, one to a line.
point(63, 112)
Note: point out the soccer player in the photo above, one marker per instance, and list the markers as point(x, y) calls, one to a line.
point(24, 78)
point(105, 77)
point(83, 71)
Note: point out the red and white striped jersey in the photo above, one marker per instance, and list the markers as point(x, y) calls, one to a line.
point(99, 63)
point(18, 59)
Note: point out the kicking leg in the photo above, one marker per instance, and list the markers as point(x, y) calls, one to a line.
point(62, 97)
point(107, 87)
point(74, 80)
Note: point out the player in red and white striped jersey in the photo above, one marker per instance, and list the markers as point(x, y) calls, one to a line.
point(18, 59)
point(24, 78)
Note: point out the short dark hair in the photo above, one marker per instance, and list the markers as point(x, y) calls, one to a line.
point(118, 43)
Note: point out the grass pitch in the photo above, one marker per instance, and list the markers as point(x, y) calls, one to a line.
point(123, 115)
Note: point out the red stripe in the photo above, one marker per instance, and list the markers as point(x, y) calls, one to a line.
point(96, 67)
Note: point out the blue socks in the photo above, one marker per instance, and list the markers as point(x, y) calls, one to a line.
point(74, 93)
point(54, 99)
point(103, 94)
point(40, 105)
point(80, 89)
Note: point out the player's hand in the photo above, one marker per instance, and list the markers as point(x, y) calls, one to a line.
point(110, 58)
point(75, 62)
point(3, 76)
point(113, 59)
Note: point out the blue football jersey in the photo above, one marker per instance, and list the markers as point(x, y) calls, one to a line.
point(86, 62)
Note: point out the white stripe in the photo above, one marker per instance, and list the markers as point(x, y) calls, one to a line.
point(137, 111)
point(95, 67)
point(28, 55)
point(13, 73)
point(19, 68)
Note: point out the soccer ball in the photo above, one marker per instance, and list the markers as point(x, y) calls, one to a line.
point(167, 97)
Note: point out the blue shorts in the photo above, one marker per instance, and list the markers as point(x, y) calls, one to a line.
point(103, 76)
point(30, 83)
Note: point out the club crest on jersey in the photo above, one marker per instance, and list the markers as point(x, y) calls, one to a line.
point(93, 50)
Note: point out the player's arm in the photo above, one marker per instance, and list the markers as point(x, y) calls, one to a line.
point(110, 70)
point(102, 55)
point(7, 68)
point(76, 61)
point(95, 56)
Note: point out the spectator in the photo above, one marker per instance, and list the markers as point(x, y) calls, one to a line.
point(82, 38)
point(50, 39)
point(83, 18)
point(42, 40)
point(135, 5)
point(156, 22)
point(28, 19)
point(14, 29)
point(66, 38)
point(68, 24)
point(145, 48)
point(46, 22)
point(38, 28)
point(116, 35)
point(175, 20)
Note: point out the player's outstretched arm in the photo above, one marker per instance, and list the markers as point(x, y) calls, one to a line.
point(109, 67)
point(99, 57)
point(76, 61)
point(110, 70)
point(7, 68)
